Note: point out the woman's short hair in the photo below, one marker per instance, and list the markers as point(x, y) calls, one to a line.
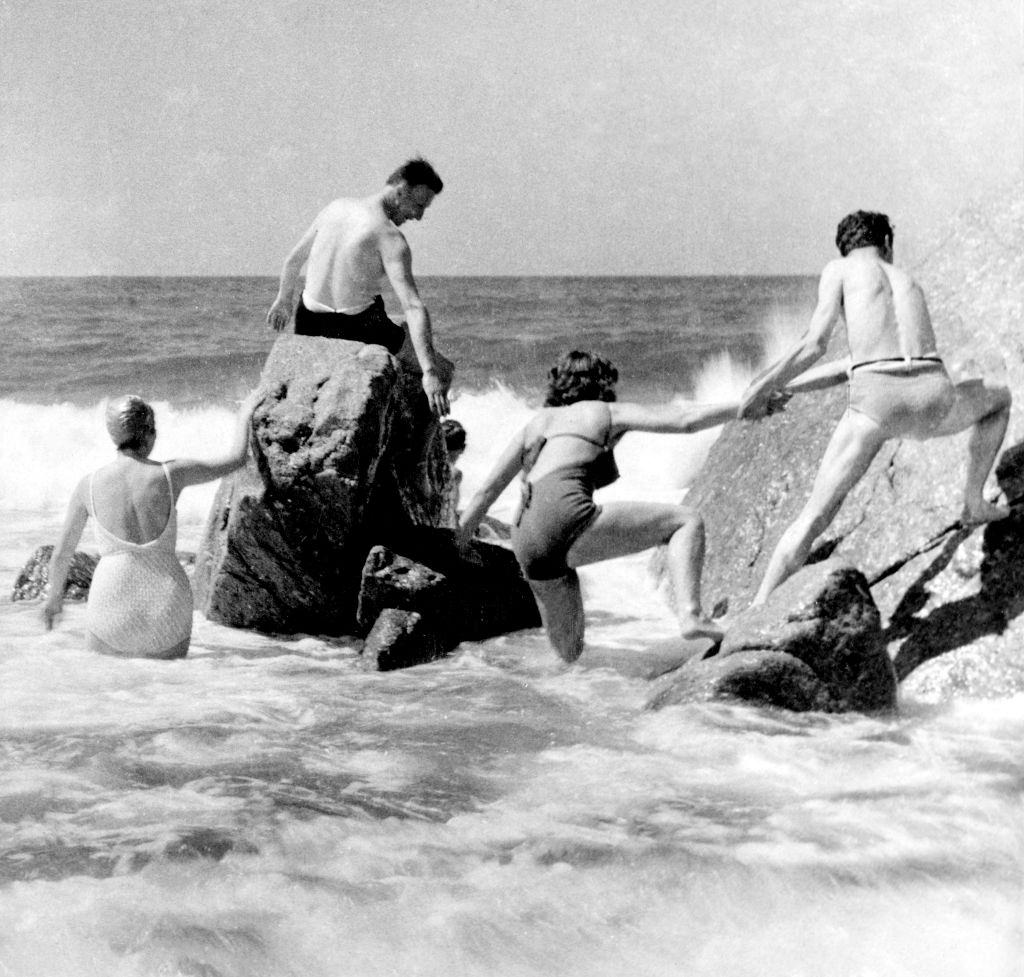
point(581, 376)
point(863, 229)
point(130, 421)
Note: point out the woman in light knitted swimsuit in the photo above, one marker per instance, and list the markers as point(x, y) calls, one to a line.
point(140, 601)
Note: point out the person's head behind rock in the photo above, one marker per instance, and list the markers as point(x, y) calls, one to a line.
point(454, 436)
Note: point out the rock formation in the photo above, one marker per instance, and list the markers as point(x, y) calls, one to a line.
point(33, 578)
point(344, 458)
point(816, 644)
point(941, 589)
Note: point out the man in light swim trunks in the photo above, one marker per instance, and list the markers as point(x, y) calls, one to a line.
point(349, 248)
point(899, 387)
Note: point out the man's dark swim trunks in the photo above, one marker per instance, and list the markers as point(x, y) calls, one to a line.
point(369, 326)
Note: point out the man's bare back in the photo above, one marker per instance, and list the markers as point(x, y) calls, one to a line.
point(348, 250)
point(344, 270)
point(885, 309)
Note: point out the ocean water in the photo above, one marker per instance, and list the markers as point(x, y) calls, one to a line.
point(268, 807)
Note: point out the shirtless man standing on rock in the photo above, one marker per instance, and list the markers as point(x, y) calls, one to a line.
point(899, 387)
point(347, 251)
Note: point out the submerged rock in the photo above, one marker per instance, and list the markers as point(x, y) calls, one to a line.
point(400, 639)
point(34, 576)
point(816, 644)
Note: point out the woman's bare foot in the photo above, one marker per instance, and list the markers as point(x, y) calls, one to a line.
point(984, 512)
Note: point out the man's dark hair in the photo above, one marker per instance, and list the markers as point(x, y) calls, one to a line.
point(581, 376)
point(863, 229)
point(417, 173)
point(454, 434)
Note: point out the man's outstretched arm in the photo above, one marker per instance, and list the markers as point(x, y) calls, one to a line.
point(807, 351)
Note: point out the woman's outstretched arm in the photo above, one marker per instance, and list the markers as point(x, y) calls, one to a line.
point(504, 470)
point(192, 471)
point(678, 418)
point(64, 551)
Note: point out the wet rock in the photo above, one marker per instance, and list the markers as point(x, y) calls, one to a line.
point(940, 587)
point(489, 595)
point(34, 576)
point(401, 638)
point(471, 599)
point(337, 460)
point(390, 580)
point(817, 644)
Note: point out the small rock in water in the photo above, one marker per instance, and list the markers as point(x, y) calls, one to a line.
point(32, 581)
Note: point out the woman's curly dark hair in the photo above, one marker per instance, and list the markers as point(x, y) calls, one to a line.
point(863, 229)
point(581, 376)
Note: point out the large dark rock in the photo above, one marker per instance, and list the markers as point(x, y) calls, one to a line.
point(34, 576)
point(454, 598)
point(939, 587)
point(390, 580)
point(815, 644)
point(338, 456)
point(489, 594)
point(347, 457)
point(400, 639)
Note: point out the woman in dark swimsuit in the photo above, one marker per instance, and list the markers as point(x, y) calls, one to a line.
point(564, 454)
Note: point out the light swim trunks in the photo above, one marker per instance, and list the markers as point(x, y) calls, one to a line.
point(907, 402)
point(140, 601)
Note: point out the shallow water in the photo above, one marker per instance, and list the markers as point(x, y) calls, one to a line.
point(269, 807)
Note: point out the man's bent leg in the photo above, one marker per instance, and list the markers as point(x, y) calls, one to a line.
point(854, 444)
point(986, 409)
point(561, 610)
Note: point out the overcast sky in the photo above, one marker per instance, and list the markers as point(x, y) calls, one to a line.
point(574, 136)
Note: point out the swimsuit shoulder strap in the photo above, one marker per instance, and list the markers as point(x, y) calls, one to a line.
point(529, 456)
point(608, 429)
point(170, 483)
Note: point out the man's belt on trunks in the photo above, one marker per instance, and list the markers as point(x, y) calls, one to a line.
point(907, 360)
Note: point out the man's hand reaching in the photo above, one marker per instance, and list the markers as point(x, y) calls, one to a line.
point(437, 395)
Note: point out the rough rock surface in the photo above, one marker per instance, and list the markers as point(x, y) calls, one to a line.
point(393, 581)
point(471, 599)
point(489, 595)
point(816, 644)
point(401, 638)
point(940, 588)
point(288, 533)
point(346, 457)
point(33, 578)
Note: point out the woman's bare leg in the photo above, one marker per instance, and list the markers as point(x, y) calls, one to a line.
point(561, 611)
point(622, 528)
